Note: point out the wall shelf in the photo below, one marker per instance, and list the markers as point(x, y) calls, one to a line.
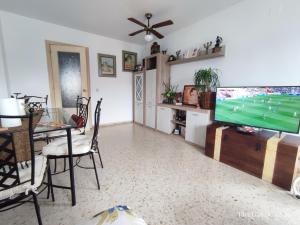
point(203, 56)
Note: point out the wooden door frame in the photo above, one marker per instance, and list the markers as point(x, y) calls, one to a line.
point(48, 44)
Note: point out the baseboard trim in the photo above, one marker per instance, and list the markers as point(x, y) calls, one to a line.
point(115, 124)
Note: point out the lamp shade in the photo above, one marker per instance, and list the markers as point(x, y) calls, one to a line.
point(148, 37)
point(21, 105)
point(10, 107)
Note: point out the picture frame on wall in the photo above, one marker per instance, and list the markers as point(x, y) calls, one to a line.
point(129, 61)
point(190, 95)
point(106, 65)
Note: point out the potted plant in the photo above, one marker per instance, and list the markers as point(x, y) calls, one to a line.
point(206, 81)
point(169, 94)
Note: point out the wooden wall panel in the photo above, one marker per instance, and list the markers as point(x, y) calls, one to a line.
point(286, 162)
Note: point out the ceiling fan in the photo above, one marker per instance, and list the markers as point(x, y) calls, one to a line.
point(149, 29)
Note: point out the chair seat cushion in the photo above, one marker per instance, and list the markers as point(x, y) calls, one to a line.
point(39, 136)
point(25, 177)
point(119, 215)
point(60, 133)
point(59, 147)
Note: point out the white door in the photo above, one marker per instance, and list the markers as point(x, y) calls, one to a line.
point(150, 98)
point(196, 124)
point(138, 98)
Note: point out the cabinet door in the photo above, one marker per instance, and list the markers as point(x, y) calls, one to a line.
point(150, 98)
point(244, 152)
point(138, 113)
point(164, 117)
point(196, 124)
point(150, 116)
point(138, 98)
point(151, 87)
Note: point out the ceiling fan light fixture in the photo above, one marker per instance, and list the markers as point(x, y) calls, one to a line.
point(148, 37)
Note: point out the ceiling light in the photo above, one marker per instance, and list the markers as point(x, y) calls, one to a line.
point(148, 37)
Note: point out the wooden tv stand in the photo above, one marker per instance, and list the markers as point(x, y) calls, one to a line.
point(262, 154)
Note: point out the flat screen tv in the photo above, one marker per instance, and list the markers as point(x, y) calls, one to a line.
point(274, 108)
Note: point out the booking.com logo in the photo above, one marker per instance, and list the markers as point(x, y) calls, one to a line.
point(253, 215)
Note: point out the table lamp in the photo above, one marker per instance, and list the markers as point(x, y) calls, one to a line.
point(11, 107)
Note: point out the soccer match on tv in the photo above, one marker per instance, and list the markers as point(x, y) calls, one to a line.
point(275, 108)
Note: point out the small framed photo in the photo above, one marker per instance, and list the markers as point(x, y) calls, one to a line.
point(190, 95)
point(106, 65)
point(129, 61)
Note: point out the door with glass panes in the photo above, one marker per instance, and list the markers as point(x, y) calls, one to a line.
point(138, 98)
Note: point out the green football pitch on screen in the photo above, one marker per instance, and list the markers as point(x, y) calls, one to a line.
point(276, 112)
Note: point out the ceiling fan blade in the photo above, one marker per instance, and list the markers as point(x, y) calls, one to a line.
point(137, 22)
point(160, 36)
point(137, 32)
point(162, 24)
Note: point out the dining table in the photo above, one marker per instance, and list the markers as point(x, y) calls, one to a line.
point(58, 119)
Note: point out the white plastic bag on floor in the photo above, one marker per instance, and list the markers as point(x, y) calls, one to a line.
point(120, 215)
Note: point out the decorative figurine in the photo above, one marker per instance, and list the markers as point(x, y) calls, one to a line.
point(206, 46)
point(155, 48)
point(194, 52)
point(218, 47)
point(178, 54)
point(199, 51)
point(171, 58)
point(138, 67)
point(164, 51)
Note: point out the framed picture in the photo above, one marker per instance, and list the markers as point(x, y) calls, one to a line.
point(190, 95)
point(106, 65)
point(129, 61)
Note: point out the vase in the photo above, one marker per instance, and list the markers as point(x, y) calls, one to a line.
point(207, 100)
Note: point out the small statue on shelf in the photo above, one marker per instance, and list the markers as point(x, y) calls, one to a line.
point(207, 46)
point(178, 54)
point(218, 47)
point(155, 48)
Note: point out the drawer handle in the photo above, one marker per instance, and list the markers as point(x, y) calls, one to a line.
point(257, 147)
point(225, 137)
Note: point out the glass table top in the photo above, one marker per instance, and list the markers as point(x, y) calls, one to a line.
point(54, 119)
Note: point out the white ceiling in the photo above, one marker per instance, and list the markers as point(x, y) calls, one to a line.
point(109, 17)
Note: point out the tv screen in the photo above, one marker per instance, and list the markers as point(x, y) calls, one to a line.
point(274, 108)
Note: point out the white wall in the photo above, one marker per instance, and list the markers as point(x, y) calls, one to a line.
point(24, 41)
point(3, 80)
point(262, 42)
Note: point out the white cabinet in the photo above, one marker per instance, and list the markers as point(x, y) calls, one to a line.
point(150, 98)
point(138, 113)
point(138, 98)
point(164, 117)
point(196, 123)
point(150, 116)
point(151, 87)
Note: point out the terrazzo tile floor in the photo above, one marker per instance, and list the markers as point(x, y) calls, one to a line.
point(166, 181)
